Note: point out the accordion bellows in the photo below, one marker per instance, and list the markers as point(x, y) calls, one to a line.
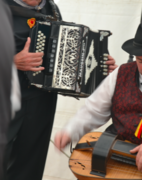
point(74, 57)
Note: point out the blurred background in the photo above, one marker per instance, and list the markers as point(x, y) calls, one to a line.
point(121, 17)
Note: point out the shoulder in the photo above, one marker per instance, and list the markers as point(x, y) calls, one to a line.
point(58, 10)
point(127, 68)
point(53, 8)
point(128, 65)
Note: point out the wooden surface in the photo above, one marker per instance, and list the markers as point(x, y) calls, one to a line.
point(80, 164)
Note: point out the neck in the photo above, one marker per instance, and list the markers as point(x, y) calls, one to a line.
point(32, 3)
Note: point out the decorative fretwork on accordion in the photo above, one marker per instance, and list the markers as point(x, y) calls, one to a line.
point(74, 57)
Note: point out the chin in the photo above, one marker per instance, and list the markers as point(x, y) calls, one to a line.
point(32, 2)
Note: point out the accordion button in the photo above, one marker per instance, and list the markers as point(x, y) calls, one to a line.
point(53, 50)
point(34, 74)
point(51, 65)
point(43, 40)
point(105, 59)
point(44, 37)
point(38, 39)
point(51, 60)
point(52, 55)
point(36, 50)
point(50, 70)
point(42, 34)
point(105, 55)
point(54, 41)
point(38, 36)
point(105, 74)
point(105, 66)
point(42, 48)
point(37, 47)
point(39, 71)
point(43, 44)
point(53, 46)
point(39, 32)
point(37, 43)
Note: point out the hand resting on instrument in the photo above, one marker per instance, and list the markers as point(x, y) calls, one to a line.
point(111, 64)
point(138, 150)
point(62, 139)
point(26, 61)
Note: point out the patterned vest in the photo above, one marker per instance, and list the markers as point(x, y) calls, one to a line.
point(127, 103)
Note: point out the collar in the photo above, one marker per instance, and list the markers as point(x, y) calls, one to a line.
point(21, 3)
point(140, 78)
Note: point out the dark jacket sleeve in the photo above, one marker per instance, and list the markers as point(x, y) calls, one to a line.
point(6, 58)
point(59, 13)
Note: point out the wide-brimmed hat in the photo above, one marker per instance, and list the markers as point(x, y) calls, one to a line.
point(134, 46)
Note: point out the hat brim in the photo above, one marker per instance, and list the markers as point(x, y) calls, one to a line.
point(131, 49)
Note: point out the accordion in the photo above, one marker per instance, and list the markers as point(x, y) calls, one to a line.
point(74, 57)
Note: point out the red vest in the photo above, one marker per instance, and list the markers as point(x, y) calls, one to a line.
point(127, 103)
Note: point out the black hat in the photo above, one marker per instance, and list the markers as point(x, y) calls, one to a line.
point(134, 46)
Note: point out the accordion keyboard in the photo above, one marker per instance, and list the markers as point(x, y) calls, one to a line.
point(40, 46)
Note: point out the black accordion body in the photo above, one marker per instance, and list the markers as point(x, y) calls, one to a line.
point(74, 57)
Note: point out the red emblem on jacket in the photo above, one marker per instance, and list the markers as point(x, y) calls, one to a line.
point(31, 22)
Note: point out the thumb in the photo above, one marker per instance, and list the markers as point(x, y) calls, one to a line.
point(135, 149)
point(27, 44)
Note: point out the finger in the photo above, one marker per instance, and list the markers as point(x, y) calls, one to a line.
point(112, 67)
point(110, 62)
point(35, 69)
point(36, 64)
point(34, 61)
point(136, 149)
point(29, 68)
point(137, 161)
point(27, 45)
point(110, 58)
point(34, 55)
point(140, 166)
point(57, 141)
point(110, 71)
point(65, 140)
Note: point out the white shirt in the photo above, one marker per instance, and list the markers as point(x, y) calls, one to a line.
point(96, 110)
point(15, 92)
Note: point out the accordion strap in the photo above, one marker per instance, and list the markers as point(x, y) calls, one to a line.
point(28, 13)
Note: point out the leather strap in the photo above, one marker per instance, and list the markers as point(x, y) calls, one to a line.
point(28, 13)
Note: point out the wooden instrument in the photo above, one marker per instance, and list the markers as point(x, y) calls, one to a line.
point(103, 156)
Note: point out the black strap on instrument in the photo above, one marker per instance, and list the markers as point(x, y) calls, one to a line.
point(28, 13)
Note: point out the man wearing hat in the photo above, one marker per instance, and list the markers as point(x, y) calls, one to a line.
point(119, 97)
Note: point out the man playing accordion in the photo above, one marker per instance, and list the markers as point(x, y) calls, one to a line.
point(29, 132)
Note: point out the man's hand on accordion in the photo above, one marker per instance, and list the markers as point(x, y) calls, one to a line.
point(111, 64)
point(26, 61)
